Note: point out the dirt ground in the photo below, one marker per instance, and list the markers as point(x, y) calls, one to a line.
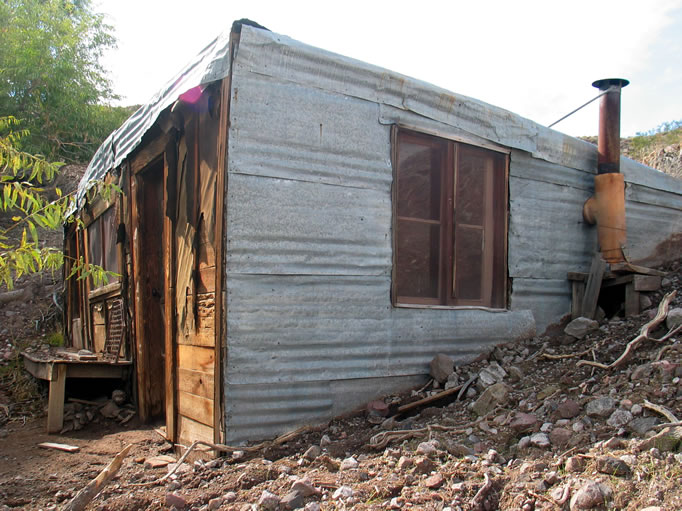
point(560, 432)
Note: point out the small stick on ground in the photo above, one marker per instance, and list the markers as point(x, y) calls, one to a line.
point(546, 499)
point(83, 497)
point(479, 498)
point(569, 355)
point(643, 336)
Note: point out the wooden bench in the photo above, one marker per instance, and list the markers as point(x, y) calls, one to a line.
point(57, 369)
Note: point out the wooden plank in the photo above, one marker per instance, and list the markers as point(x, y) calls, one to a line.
point(593, 286)
point(205, 338)
point(195, 382)
point(144, 156)
point(631, 300)
point(99, 338)
point(617, 281)
point(98, 370)
point(633, 268)
point(577, 276)
point(169, 180)
point(647, 283)
point(197, 408)
point(59, 447)
point(577, 292)
point(196, 358)
point(190, 430)
point(36, 368)
point(430, 399)
point(138, 331)
point(55, 400)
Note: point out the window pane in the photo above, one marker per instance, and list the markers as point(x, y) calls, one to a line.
point(470, 204)
point(419, 178)
point(109, 235)
point(95, 243)
point(418, 249)
point(468, 262)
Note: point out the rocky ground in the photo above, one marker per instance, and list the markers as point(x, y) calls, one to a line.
point(525, 427)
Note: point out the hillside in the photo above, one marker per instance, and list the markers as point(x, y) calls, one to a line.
point(660, 148)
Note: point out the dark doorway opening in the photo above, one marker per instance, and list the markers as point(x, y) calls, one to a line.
point(151, 285)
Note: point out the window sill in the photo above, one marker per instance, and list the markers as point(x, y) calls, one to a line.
point(446, 307)
point(105, 290)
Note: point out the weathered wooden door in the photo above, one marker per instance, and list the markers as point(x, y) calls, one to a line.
point(150, 322)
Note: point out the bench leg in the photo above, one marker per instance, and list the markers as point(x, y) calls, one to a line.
point(55, 402)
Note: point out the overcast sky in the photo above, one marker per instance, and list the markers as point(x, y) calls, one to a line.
point(537, 59)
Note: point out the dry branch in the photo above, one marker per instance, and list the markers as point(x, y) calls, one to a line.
point(479, 498)
point(569, 355)
point(228, 448)
point(381, 440)
point(95, 486)
point(643, 335)
point(661, 410)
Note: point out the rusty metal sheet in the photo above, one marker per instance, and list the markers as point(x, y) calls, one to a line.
point(285, 328)
point(547, 234)
point(525, 166)
point(284, 130)
point(278, 56)
point(549, 299)
point(296, 227)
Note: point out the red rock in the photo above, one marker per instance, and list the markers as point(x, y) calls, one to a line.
point(434, 481)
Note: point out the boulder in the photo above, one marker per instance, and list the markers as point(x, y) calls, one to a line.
point(580, 327)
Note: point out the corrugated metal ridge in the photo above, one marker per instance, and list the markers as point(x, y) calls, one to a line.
point(211, 64)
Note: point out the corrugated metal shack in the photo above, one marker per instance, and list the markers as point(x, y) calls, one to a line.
point(285, 177)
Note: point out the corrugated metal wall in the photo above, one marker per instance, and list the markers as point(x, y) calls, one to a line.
point(311, 329)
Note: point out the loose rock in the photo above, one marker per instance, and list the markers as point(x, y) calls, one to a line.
point(601, 407)
point(441, 367)
point(580, 327)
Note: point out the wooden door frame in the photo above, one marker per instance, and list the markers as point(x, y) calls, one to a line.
point(143, 162)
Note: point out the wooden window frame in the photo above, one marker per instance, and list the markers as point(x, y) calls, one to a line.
point(104, 250)
point(495, 269)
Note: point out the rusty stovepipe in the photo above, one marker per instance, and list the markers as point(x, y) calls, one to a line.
point(607, 207)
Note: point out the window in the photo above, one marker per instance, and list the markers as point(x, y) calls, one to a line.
point(102, 242)
point(449, 223)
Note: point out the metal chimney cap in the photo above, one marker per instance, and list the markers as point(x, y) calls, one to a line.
point(605, 83)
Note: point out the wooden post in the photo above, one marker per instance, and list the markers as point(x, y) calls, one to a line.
point(578, 291)
point(631, 300)
point(593, 286)
point(55, 406)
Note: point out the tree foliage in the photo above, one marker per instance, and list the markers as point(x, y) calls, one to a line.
point(27, 210)
point(51, 77)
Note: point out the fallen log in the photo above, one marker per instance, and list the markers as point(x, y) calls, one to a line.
point(95, 486)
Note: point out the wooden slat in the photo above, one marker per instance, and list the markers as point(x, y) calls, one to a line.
point(195, 382)
point(578, 291)
point(169, 180)
point(633, 268)
point(593, 286)
point(196, 358)
point(195, 407)
point(148, 153)
point(647, 283)
point(190, 430)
